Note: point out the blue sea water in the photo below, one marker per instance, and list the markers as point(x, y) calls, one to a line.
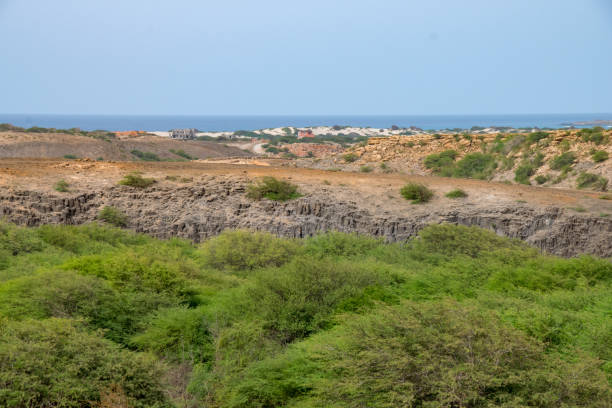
point(233, 123)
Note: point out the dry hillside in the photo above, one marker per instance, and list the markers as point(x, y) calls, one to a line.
point(562, 158)
point(59, 145)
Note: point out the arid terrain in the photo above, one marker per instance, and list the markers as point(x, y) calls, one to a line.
point(199, 199)
point(59, 145)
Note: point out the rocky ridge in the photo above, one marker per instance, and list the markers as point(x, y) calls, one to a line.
point(207, 207)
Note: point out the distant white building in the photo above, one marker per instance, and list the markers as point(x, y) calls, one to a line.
point(183, 134)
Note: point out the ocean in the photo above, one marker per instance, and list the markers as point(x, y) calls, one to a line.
point(244, 122)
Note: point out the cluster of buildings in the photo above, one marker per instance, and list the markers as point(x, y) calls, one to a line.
point(183, 134)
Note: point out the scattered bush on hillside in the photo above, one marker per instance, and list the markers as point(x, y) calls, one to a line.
point(136, 180)
point(599, 156)
point(272, 189)
point(586, 180)
point(350, 157)
point(61, 186)
point(456, 193)
point(595, 135)
point(523, 172)
point(537, 136)
point(70, 157)
point(145, 156)
point(475, 165)
point(442, 163)
point(541, 179)
point(365, 169)
point(563, 161)
point(183, 154)
point(417, 193)
point(113, 216)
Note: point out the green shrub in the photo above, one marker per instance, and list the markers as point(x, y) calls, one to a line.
point(136, 180)
point(541, 179)
point(563, 161)
point(475, 165)
point(417, 193)
point(61, 186)
point(241, 250)
point(599, 156)
point(298, 299)
point(16, 241)
point(523, 173)
point(272, 189)
point(183, 154)
point(65, 294)
point(378, 360)
point(70, 156)
point(113, 216)
point(453, 240)
point(441, 163)
point(594, 135)
point(338, 244)
point(456, 193)
point(593, 181)
point(537, 136)
point(365, 169)
point(145, 156)
point(350, 157)
point(51, 363)
point(179, 334)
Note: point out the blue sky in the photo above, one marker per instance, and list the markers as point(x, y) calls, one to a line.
point(305, 57)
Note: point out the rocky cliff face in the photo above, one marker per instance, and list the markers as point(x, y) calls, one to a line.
point(206, 208)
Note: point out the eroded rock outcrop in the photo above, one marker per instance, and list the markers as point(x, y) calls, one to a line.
point(204, 209)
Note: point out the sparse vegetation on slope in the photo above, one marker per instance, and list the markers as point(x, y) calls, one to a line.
point(136, 180)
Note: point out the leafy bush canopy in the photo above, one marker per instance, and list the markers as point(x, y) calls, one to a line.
point(350, 157)
point(113, 216)
point(417, 193)
point(94, 314)
point(272, 189)
point(563, 161)
point(599, 156)
point(586, 180)
point(145, 156)
point(136, 180)
point(61, 186)
point(475, 165)
point(456, 193)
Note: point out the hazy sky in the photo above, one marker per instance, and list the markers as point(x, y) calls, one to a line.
point(305, 57)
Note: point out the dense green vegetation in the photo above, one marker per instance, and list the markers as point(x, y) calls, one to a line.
point(458, 317)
